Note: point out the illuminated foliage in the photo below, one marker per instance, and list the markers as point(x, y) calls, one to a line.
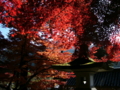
point(58, 25)
point(28, 62)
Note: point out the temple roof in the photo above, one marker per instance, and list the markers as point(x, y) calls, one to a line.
point(102, 79)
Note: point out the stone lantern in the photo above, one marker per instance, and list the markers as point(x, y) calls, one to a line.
point(84, 70)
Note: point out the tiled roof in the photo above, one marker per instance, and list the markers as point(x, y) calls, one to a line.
point(71, 82)
point(106, 79)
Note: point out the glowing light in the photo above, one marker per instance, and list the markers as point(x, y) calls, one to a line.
point(84, 82)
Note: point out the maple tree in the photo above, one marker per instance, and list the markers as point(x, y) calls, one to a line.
point(31, 17)
point(62, 16)
point(28, 61)
point(66, 23)
point(107, 30)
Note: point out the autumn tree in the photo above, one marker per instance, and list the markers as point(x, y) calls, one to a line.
point(106, 34)
point(28, 61)
point(14, 15)
point(77, 23)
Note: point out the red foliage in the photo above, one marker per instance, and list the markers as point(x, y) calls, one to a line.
point(62, 17)
point(28, 61)
point(55, 24)
point(112, 53)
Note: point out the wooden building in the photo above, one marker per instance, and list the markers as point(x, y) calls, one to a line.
point(109, 80)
